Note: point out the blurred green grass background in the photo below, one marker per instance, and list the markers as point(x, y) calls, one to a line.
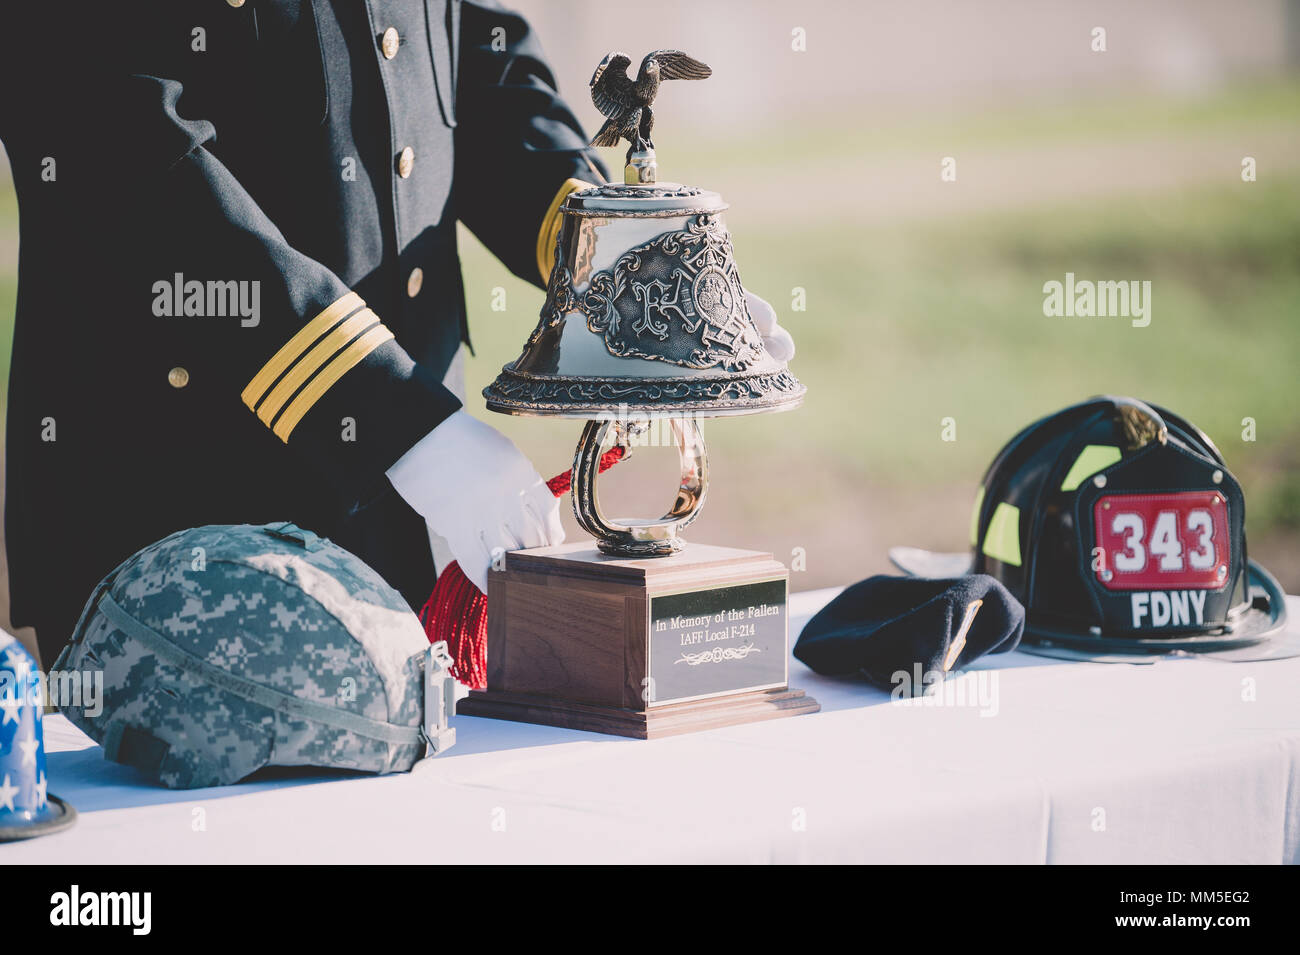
point(924, 301)
point(921, 308)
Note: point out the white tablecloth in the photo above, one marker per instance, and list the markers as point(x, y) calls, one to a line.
point(1182, 761)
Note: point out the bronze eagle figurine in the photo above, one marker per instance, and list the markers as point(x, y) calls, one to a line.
point(626, 102)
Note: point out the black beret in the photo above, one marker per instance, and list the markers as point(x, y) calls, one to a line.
point(884, 625)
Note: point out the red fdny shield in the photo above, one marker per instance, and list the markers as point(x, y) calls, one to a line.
point(1172, 541)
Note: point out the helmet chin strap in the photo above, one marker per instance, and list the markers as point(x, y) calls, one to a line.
point(439, 700)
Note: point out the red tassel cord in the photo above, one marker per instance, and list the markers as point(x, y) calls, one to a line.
point(456, 611)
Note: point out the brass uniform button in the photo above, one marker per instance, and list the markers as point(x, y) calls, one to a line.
point(236, 4)
point(389, 44)
point(405, 162)
point(178, 377)
point(415, 282)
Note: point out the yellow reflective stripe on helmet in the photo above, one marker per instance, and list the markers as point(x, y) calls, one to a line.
point(294, 347)
point(975, 517)
point(313, 361)
point(551, 226)
point(1002, 541)
point(343, 362)
point(1093, 458)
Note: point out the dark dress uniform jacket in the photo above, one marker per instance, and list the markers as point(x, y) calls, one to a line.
point(319, 152)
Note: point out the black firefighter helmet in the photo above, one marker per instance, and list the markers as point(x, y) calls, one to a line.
point(1121, 530)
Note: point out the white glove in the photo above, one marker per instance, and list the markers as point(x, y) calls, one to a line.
point(776, 339)
point(475, 489)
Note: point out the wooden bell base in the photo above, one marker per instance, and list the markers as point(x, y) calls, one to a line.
point(575, 638)
point(668, 720)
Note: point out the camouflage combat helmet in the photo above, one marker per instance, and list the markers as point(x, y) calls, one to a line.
point(228, 648)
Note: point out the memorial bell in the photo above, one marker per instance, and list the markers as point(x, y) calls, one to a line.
point(644, 319)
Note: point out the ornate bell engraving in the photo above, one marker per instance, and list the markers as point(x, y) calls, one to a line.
point(676, 299)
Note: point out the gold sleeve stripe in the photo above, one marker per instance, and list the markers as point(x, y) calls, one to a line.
point(551, 226)
point(295, 346)
point(311, 363)
point(342, 363)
